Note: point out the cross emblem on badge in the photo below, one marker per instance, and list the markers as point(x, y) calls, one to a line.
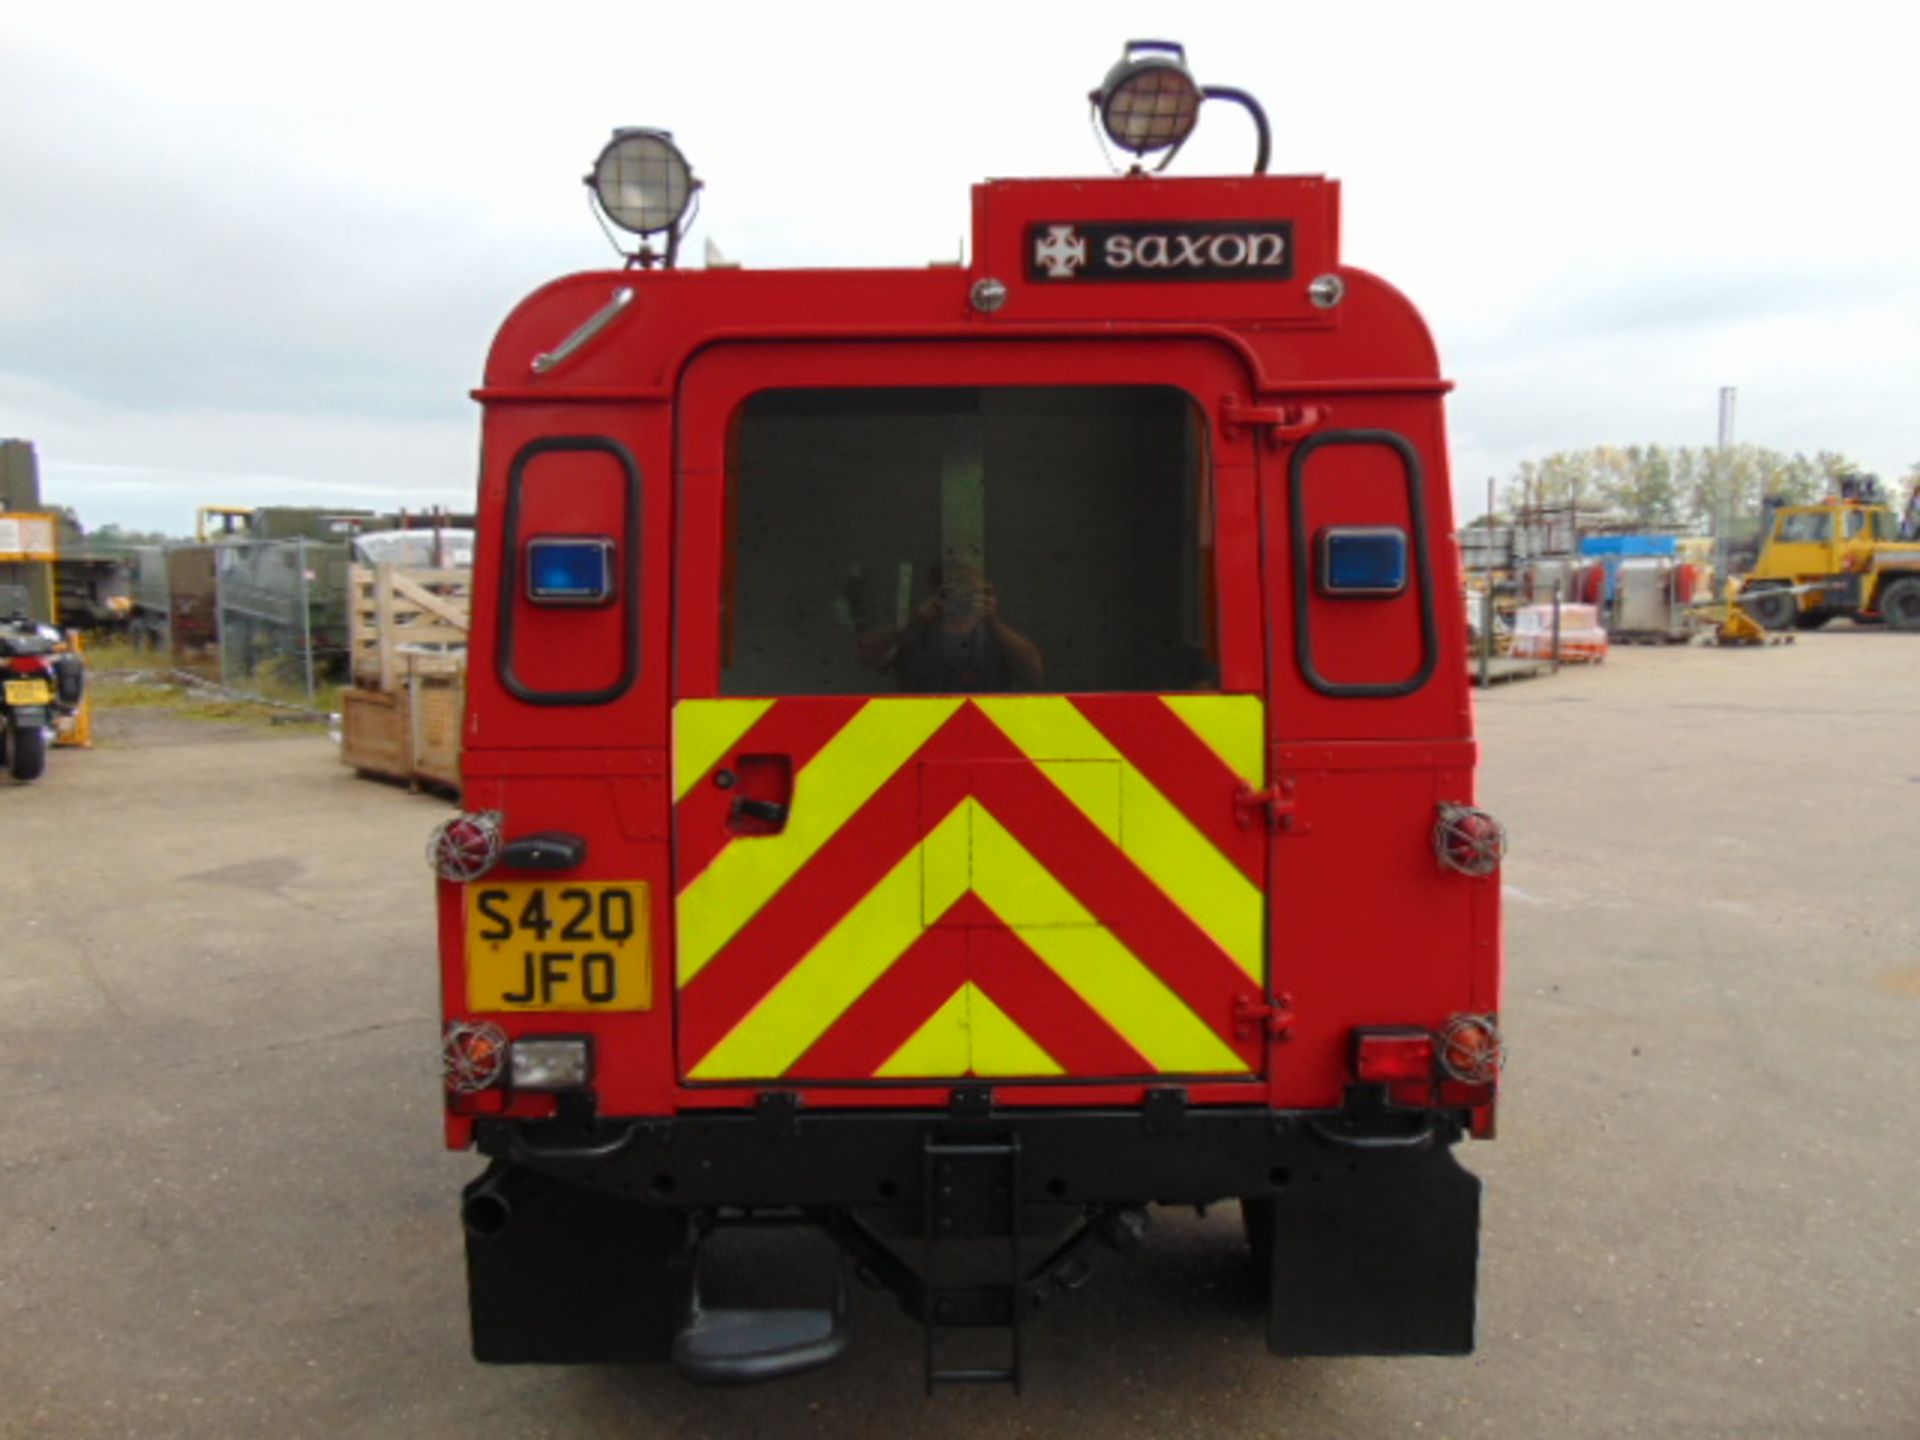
point(1060, 252)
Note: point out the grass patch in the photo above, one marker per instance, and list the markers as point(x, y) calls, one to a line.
point(123, 677)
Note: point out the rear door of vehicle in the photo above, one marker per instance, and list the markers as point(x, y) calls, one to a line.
point(1370, 734)
point(891, 867)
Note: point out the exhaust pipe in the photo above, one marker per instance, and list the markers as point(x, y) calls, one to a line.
point(487, 1205)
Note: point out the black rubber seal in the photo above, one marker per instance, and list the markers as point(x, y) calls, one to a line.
point(510, 572)
point(1422, 564)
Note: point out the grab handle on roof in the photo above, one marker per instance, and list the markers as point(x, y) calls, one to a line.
point(595, 323)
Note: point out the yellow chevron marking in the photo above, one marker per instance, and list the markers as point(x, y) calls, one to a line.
point(1093, 963)
point(1232, 726)
point(1176, 856)
point(970, 849)
point(1001, 1047)
point(946, 863)
point(832, 788)
point(1183, 862)
point(1093, 786)
point(1133, 1000)
point(703, 732)
point(969, 1035)
point(1014, 885)
point(832, 975)
point(939, 1047)
point(1048, 727)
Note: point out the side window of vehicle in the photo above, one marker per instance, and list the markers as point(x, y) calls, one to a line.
point(1807, 527)
point(949, 540)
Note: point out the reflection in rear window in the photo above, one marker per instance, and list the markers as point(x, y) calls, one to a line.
point(966, 541)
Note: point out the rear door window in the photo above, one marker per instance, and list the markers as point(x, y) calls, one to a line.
point(968, 540)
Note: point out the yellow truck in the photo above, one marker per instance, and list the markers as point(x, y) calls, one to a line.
point(1839, 557)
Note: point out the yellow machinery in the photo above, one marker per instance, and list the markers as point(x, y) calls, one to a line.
point(218, 522)
point(1732, 625)
point(1839, 557)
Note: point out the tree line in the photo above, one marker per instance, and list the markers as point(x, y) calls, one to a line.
point(1670, 487)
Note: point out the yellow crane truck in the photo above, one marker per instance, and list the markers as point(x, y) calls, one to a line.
point(1842, 556)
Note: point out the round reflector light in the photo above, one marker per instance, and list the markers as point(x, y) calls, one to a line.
point(465, 847)
point(473, 1055)
point(1472, 1049)
point(642, 181)
point(1468, 840)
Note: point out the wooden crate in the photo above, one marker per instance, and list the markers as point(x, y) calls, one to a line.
point(374, 733)
point(410, 733)
point(435, 708)
point(407, 627)
point(406, 620)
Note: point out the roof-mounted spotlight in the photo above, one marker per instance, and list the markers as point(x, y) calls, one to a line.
point(1150, 102)
point(644, 185)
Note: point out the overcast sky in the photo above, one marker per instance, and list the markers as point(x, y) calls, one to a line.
point(255, 253)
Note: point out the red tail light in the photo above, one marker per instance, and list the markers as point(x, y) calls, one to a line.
point(1382, 1057)
point(30, 665)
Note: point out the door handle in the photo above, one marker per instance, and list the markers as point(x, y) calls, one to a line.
point(549, 850)
point(770, 811)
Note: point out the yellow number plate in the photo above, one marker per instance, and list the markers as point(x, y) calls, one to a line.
point(552, 946)
point(28, 692)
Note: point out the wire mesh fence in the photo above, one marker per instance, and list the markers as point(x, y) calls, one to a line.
point(280, 613)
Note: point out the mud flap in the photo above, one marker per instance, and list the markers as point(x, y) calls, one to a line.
point(557, 1274)
point(1375, 1253)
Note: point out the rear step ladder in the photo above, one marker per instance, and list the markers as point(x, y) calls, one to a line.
point(972, 1191)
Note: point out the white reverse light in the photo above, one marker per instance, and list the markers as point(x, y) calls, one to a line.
point(544, 1064)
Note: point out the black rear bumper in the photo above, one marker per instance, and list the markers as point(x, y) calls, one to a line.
point(779, 1156)
point(581, 1237)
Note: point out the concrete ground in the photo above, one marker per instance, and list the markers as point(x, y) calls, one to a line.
point(224, 1209)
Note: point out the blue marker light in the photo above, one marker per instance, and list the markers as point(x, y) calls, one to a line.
point(1363, 561)
point(570, 570)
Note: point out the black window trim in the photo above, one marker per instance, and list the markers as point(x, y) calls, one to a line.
point(509, 590)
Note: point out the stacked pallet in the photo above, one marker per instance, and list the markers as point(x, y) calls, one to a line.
point(407, 628)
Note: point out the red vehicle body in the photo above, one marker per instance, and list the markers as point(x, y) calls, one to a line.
point(1199, 912)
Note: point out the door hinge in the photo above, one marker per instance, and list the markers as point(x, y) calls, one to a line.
point(1281, 424)
point(1254, 1013)
point(1274, 806)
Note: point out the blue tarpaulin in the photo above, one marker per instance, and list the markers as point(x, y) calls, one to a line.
point(1627, 546)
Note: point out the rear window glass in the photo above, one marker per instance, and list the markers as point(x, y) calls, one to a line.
point(968, 541)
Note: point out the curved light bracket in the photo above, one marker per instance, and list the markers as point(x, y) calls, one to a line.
point(1264, 150)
